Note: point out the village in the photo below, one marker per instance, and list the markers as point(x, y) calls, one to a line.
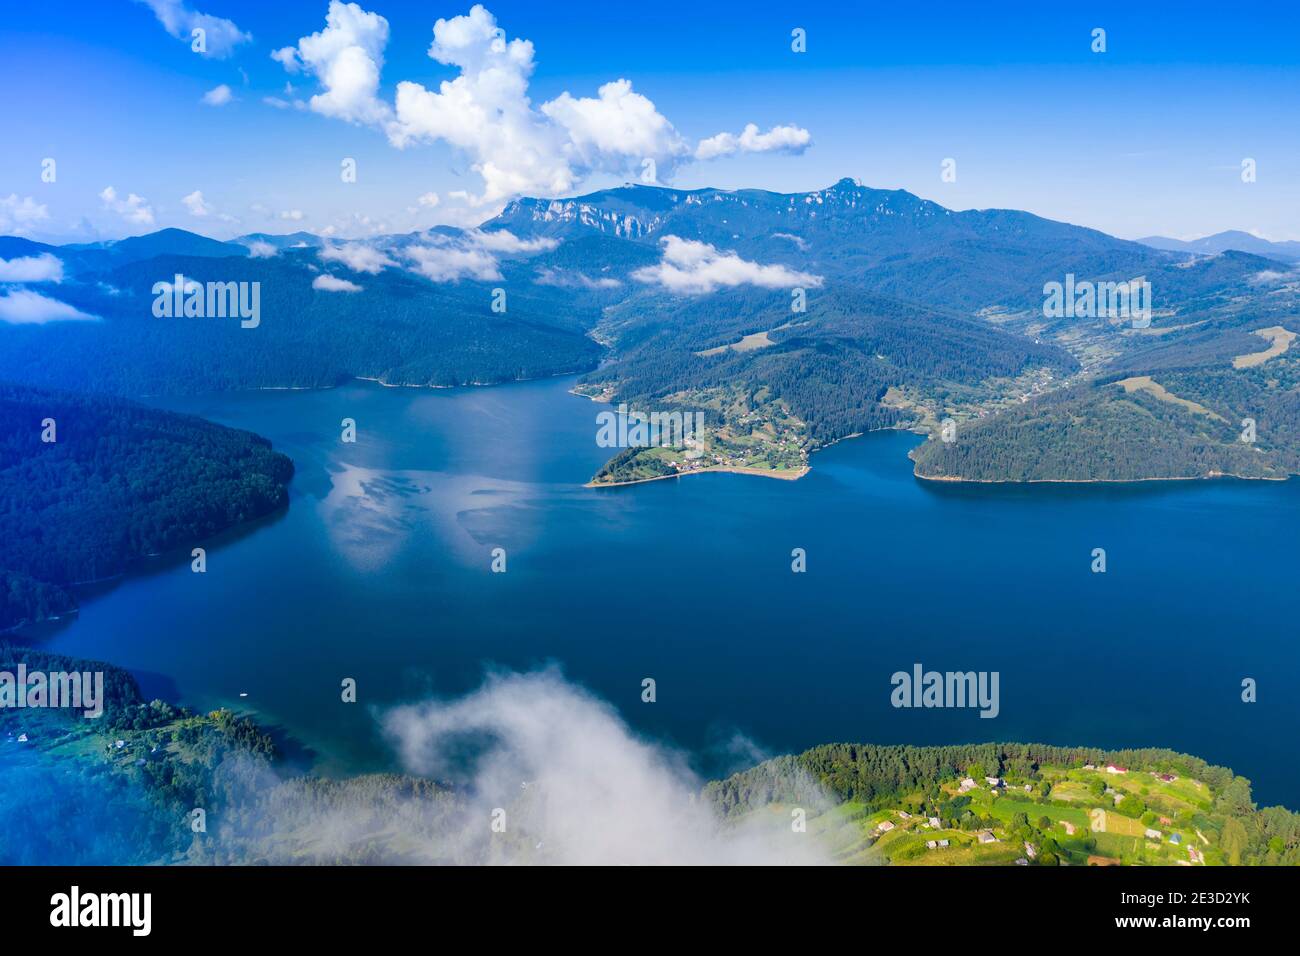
point(1094, 815)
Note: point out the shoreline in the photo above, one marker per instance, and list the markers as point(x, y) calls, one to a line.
point(717, 469)
point(1214, 476)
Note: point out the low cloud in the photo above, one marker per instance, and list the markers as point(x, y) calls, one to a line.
point(24, 307)
point(358, 257)
point(573, 279)
point(472, 254)
point(220, 36)
point(42, 268)
point(445, 263)
point(327, 283)
point(577, 786)
point(258, 249)
point(694, 268)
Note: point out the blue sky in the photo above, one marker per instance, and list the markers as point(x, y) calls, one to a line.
point(1145, 138)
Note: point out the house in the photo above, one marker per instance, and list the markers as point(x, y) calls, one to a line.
point(1069, 827)
point(1028, 787)
point(1175, 838)
point(943, 843)
point(904, 814)
point(1112, 768)
point(936, 823)
point(884, 827)
point(1021, 861)
point(1166, 822)
point(1030, 850)
point(931, 844)
point(967, 784)
point(993, 781)
point(1089, 766)
point(986, 836)
point(1166, 777)
point(22, 738)
point(1153, 834)
point(119, 744)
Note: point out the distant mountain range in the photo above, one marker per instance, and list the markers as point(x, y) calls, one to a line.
point(910, 314)
point(1233, 240)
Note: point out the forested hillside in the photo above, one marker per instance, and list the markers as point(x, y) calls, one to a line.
point(1022, 793)
point(118, 483)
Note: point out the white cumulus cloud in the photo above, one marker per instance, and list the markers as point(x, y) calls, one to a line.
point(346, 58)
point(196, 205)
point(258, 249)
point(485, 110)
point(133, 208)
point(693, 268)
point(17, 214)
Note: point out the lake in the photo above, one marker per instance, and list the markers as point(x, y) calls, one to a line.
point(379, 570)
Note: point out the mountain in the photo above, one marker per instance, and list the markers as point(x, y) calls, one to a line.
point(1233, 240)
point(118, 482)
point(292, 240)
point(786, 320)
point(97, 258)
point(889, 240)
point(396, 327)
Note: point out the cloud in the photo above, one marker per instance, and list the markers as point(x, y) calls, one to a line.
point(294, 215)
point(694, 268)
point(257, 249)
point(784, 139)
point(133, 208)
point(578, 787)
point(42, 268)
point(346, 58)
point(218, 96)
point(578, 280)
point(358, 257)
point(485, 110)
point(334, 284)
point(17, 214)
point(799, 241)
point(195, 204)
point(24, 307)
point(501, 240)
point(445, 263)
point(472, 254)
point(220, 36)
point(429, 199)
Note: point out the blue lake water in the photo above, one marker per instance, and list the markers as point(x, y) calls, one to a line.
point(380, 571)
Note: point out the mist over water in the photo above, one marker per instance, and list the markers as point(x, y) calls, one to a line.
point(379, 571)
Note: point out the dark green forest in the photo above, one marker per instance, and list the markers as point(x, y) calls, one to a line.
point(120, 482)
